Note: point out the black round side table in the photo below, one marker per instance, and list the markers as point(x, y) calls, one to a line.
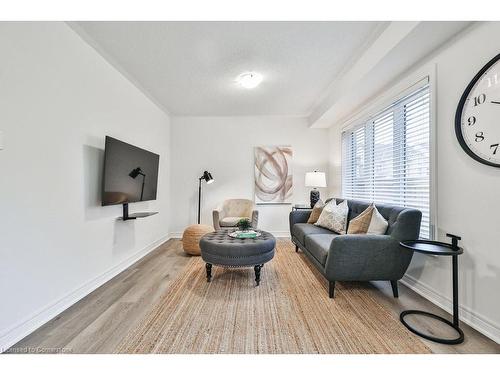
point(445, 249)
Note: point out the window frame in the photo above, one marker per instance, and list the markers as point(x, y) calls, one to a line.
point(425, 76)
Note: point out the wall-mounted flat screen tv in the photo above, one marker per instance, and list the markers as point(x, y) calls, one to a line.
point(130, 173)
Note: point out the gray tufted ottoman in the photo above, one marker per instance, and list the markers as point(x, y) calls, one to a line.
point(218, 248)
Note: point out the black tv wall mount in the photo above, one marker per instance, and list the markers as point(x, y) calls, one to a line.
point(137, 215)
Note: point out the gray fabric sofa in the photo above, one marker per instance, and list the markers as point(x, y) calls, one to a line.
point(358, 257)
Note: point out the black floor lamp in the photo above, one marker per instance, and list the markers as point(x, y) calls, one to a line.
point(207, 176)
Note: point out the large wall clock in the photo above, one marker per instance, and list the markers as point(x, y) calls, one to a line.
point(477, 120)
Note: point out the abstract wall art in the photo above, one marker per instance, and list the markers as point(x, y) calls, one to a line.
point(273, 174)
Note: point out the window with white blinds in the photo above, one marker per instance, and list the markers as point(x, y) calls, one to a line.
point(386, 159)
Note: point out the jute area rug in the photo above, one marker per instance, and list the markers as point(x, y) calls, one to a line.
point(289, 312)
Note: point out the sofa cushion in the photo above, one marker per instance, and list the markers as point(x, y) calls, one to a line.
point(318, 245)
point(361, 223)
point(301, 230)
point(403, 222)
point(316, 212)
point(231, 221)
point(334, 217)
point(378, 224)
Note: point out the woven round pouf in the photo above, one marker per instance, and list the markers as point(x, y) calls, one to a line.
point(191, 238)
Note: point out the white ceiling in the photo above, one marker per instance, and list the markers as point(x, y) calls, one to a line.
point(189, 68)
point(400, 49)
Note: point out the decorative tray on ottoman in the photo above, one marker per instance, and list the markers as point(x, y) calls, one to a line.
point(245, 234)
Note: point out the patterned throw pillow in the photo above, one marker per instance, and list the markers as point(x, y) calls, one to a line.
point(334, 217)
point(316, 211)
point(361, 223)
point(378, 224)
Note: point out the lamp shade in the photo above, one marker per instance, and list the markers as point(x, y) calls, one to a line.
point(207, 176)
point(315, 179)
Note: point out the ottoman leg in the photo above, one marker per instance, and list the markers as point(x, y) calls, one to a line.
point(257, 274)
point(208, 266)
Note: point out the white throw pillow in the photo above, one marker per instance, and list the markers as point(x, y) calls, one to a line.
point(334, 217)
point(378, 224)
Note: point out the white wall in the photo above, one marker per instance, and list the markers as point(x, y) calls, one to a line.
point(58, 99)
point(224, 146)
point(335, 162)
point(467, 191)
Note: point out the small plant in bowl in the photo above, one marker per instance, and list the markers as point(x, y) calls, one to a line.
point(244, 225)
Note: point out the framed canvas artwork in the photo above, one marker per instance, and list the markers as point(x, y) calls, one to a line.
point(273, 174)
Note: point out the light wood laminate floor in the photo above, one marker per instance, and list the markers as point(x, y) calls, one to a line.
point(99, 322)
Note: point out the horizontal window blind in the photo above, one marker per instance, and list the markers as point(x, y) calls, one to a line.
point(386, 159)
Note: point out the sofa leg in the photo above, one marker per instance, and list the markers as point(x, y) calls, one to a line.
point(296, 249)
point(331, 289)
point(394, 285)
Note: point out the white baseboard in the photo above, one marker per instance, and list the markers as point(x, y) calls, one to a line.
point(473, 319)
point(279, 234)
point(175, 234)
point(13, 334)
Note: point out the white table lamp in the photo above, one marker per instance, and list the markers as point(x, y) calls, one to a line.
point(315, 180)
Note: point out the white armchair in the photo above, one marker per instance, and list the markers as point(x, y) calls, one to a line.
point(233, 210)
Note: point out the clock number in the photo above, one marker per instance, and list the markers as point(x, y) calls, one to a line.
point(471, 120)
point(479, 136)
point(479, 99)
point(495, 148)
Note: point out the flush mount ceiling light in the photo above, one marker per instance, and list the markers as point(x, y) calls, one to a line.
point(249, 80)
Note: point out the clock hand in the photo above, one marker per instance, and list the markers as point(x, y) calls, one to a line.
point(494, 102)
